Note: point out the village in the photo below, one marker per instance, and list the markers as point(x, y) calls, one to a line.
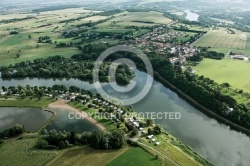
point(166, 42)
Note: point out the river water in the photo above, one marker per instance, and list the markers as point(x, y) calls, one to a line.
point(213, 140)
point(191, 16)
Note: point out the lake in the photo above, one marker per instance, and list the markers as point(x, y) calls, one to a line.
point(62, 122)
point(31, 118)
point(191, 16)
point(213, 140)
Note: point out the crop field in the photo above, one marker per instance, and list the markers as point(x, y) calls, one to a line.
point(23, 153)
point(234, 72)
point(137, 19)
point(86, 156)
point(222, 20)
point(222, 39)
point(136, 156)
point(43, 24)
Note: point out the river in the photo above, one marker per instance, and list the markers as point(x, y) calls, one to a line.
point(191, 16)
point(211, 139)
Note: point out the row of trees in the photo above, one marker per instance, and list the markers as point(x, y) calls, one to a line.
point(96, 139)
point(12, 132)
point(206, 54)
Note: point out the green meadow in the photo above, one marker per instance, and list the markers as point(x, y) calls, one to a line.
point(136, 156)
point(235, 72)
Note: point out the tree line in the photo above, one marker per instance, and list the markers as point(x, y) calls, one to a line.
point(97, 139)
point(12, 132)
point(60, 67)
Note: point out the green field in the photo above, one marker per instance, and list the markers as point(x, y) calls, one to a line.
point(23, 153)
point(27, 102)
point(222, 39)
point(136, 157)
point(235, 72)
point(11, 44)
point(167, 147)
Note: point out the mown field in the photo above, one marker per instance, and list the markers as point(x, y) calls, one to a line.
point(136, 156)
point(235, 72)
point(27, 102)
point(86, 156)
point(222, 39)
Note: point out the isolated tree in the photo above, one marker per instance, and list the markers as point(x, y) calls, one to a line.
point(18, 55)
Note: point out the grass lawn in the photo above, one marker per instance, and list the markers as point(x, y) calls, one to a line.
point(86, 156)
point(108, 124)
point(14, 102)
point(23, 153)
point(135, 157)
point(173, 152)
point(185, 37)
point(235, 72)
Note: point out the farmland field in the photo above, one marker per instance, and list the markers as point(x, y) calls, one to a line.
point(222, 39)
point(86, 156)
point(136, 156)
point(23, 153)
point(235, 72)
point(137, 19)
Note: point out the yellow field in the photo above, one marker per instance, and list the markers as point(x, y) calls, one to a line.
point(129, 18)
point(222, 39)
point(86, 156)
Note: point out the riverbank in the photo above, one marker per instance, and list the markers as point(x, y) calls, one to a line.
point(60, 104)
point(200, 107)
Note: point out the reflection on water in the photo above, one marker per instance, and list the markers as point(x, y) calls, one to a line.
point(63, 122)
point(191, 16)
point(31, 118)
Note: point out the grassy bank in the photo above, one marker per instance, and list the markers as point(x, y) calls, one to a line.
point(26, 102)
